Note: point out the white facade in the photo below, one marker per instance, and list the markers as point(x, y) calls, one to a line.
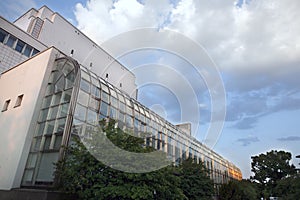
point(53, 30)
point(26, 81)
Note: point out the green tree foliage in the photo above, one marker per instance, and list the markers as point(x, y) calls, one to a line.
point(238, 190)
point(270, 168)
point(288, 189)
point(195, 182)
point(81, 174)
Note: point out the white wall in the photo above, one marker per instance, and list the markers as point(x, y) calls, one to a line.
point(17, 124)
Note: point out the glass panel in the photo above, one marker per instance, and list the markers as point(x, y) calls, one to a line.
point(94, 104)
point(28, 175)
point(121, 98)
point(96, 82)
point(49, 127)
point(122, 107)
point(136, 107)
point(11, 41)
point(95, 91)
point(85, 76)
point(50, 89)
point(40, 129)
point(57, 143)
point(68, 67)
point(37, 143)
point(3, 35)
point(31, 160)
point(70, 80)
point(128, 102)
point(142, 110)
point(80, 112)
point(59, 65)
point(113, 113)
point(46, 167)
point(56, 99)
point(121, 117)
point(54, 76)
point(128, 121)
point(84, 85)
point(147, 113)
point(66, 96)
point(104, 108)
point(47, 143)
point(20, 45)
point(43, 115)
point(63, 110)
point(60, 84)
point(27, 50)
point(35, 51)
point(47, 102)
point(83, 98)
point(104, 97)
point(113, 93)
point(60, 125)
point(52, 113)
point(104, 88)
point(114, 102)
point(92, 117)
point(129, 110)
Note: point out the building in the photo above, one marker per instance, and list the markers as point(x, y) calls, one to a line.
point(44, 28)
point(57, 94)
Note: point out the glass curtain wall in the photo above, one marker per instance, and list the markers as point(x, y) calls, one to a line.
point(51, 127)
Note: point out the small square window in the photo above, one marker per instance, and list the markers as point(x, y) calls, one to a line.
point(19, 100)
point(5, 106)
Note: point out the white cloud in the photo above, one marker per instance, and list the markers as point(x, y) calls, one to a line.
point(260, 34)
point(255, 45)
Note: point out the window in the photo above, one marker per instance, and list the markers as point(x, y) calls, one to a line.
point(3, 35)
point(5, 106)
point(84, 85)
point(20, 45)
point(11, 41)
point(27, 50)
point(35, 51)
point(19, 100)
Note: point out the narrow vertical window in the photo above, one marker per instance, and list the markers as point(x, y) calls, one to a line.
point(11, 41)
point(19, 100)
point(5, 106)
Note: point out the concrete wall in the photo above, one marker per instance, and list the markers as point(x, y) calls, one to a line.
point(17, 123)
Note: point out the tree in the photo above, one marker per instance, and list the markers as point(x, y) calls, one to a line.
point(271, 167)
point(82, 174)
point(195, 182)
point(237, 190)
point(288, 188)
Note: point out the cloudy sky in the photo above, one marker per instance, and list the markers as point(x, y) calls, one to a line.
point(254, 45)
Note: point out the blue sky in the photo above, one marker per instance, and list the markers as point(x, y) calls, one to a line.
point(256, 47)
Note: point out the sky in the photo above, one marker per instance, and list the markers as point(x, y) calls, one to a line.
point(253, 44)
